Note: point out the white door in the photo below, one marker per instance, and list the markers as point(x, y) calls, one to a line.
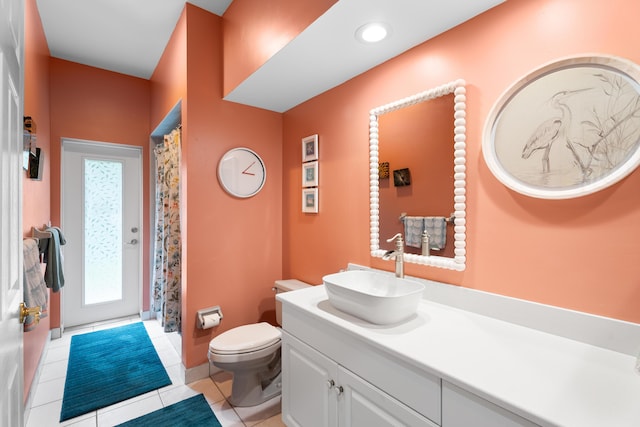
point(11, 173)
point(101, 218)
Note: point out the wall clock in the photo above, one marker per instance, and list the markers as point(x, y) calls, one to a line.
point(241, 172)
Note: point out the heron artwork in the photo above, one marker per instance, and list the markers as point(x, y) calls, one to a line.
point(551, 130)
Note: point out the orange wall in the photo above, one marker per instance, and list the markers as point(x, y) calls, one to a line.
point(255, 30)
point(579, 253)
point(232, 250)
point(35, 199)
point(97, 105)
point(169, 80)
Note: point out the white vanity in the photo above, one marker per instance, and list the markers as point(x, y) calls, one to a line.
point(453, 367)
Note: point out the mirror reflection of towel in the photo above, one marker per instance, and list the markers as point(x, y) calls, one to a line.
point(413, 228)
point(436, 227)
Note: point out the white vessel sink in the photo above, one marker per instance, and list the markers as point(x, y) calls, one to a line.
point(375, 297)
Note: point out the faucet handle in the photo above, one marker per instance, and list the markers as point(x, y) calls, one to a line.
point(399, 242)
point(397, 236)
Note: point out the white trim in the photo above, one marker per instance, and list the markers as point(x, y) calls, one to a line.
point(98, 147)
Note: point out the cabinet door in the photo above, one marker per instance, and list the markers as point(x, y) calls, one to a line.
point(308, 397)
point(463, 409)
point(363, 405)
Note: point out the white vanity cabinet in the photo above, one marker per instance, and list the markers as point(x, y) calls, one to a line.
point(463, 409)
point(317, 391)
point(449, 367)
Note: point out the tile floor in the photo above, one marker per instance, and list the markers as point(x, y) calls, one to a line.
point(46, 401)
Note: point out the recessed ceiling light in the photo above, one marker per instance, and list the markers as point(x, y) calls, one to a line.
point(372, 32)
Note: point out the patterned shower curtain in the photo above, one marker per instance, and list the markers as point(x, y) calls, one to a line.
point(166, 273)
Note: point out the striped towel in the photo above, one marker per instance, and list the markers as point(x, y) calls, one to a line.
point(35, 290)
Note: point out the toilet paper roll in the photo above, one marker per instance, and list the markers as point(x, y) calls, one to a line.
point(209, 321)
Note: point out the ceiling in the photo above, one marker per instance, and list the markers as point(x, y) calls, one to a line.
point(129, 36)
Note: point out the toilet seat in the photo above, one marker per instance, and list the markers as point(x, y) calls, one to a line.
point(245, 339)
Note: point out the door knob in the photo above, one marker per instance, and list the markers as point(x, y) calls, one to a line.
point(30, 311)
point(132, 242)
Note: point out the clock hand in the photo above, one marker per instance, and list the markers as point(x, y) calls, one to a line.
point(244, 172)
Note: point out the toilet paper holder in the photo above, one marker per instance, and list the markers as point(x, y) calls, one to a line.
point(207, 312)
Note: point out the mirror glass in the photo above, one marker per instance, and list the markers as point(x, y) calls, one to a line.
point(417, 175)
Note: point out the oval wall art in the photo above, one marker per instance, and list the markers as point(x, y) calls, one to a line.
point(567, 129)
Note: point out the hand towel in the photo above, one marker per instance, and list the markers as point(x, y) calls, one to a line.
point(413, 228)
point(53, 274)
point(436, 227)
point(34, 288)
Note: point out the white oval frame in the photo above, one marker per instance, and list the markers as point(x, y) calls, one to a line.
point(458, 262)
point(613, 63)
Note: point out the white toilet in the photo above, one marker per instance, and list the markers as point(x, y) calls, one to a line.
point(252, 354)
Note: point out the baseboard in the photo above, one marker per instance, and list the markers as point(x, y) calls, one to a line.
point(146, 315)
point(196, 373)
point(56, 333)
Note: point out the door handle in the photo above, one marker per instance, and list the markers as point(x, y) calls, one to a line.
point(30, 311)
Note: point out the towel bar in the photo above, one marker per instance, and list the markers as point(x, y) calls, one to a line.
point(40, 234)
point(449, 219)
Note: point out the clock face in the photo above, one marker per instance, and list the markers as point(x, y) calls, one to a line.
point(241, 172)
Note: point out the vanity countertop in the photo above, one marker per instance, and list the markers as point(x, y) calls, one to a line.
point(548, 379)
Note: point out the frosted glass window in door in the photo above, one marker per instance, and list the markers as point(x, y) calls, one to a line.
point(103, 213)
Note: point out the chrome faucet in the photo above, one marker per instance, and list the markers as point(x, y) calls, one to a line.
point(398, 254)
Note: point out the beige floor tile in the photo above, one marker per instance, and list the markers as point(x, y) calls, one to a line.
point(209, 389)
point(254, 415)
point(226, 415)
point(224, 382)
point(275, 421)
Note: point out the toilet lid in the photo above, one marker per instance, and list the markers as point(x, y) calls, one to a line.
point(245, 338)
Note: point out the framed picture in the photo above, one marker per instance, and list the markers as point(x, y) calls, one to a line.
point(310, 200)
point(310, 148)
point(310, 174)
point(383, 170)
point(567, 129)
point(401, 177)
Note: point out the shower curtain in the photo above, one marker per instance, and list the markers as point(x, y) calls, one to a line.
point(167, 251)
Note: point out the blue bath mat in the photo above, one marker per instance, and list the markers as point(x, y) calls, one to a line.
point(194, 411)
point(107, 367)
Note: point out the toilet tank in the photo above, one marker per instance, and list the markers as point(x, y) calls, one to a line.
point(286, 286)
